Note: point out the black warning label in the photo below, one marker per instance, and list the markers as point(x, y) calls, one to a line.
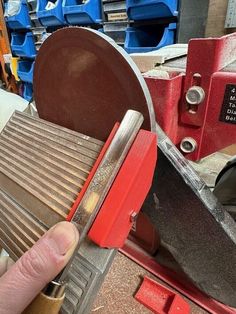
point(228, 110)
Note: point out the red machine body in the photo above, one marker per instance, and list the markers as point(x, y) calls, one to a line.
point(211, 65)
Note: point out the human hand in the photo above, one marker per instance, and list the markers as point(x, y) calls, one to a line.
point(21, 282)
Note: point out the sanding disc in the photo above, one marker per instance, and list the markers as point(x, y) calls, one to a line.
point(85, 82)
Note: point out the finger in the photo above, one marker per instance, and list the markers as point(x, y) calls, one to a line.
point(29, 275)
point(5, 263)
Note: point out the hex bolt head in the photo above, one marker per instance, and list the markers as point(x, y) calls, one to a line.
point(188, 145)
point(195, 95)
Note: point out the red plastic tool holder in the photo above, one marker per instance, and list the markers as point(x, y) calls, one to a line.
point(161, 300)
point(127, 193)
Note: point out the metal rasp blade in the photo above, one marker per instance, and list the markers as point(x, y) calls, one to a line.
point(43, 168)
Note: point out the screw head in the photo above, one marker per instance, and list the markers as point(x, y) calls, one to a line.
point(188, 145)
point(195, 95)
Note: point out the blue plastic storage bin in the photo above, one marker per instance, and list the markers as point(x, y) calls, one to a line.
point(52, 17)
point(21, 19)
point(25, 70)
point(23, 45)
point(151, 9)
point(77, 12)
point(148, 38)
point(28, 91)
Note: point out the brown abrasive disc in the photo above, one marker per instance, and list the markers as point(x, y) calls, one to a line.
point(85, 82)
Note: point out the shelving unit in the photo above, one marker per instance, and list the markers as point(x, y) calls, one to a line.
point(34, 20)
point(115, 20)
point(137, 26)
point(23, 42)
point(141, 25)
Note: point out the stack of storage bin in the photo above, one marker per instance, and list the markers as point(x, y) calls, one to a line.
point(35, 18)
point(148, 24)
point(115, 20)
point(23, 45)
point(145, 36)
point(69, 12)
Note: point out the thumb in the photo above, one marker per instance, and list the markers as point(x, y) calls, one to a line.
point(30, 274)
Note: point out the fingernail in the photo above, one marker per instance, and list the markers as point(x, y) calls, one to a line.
point(63, 237)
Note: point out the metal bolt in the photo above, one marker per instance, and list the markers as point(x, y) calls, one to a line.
point(188, 145)
point(195, 95)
